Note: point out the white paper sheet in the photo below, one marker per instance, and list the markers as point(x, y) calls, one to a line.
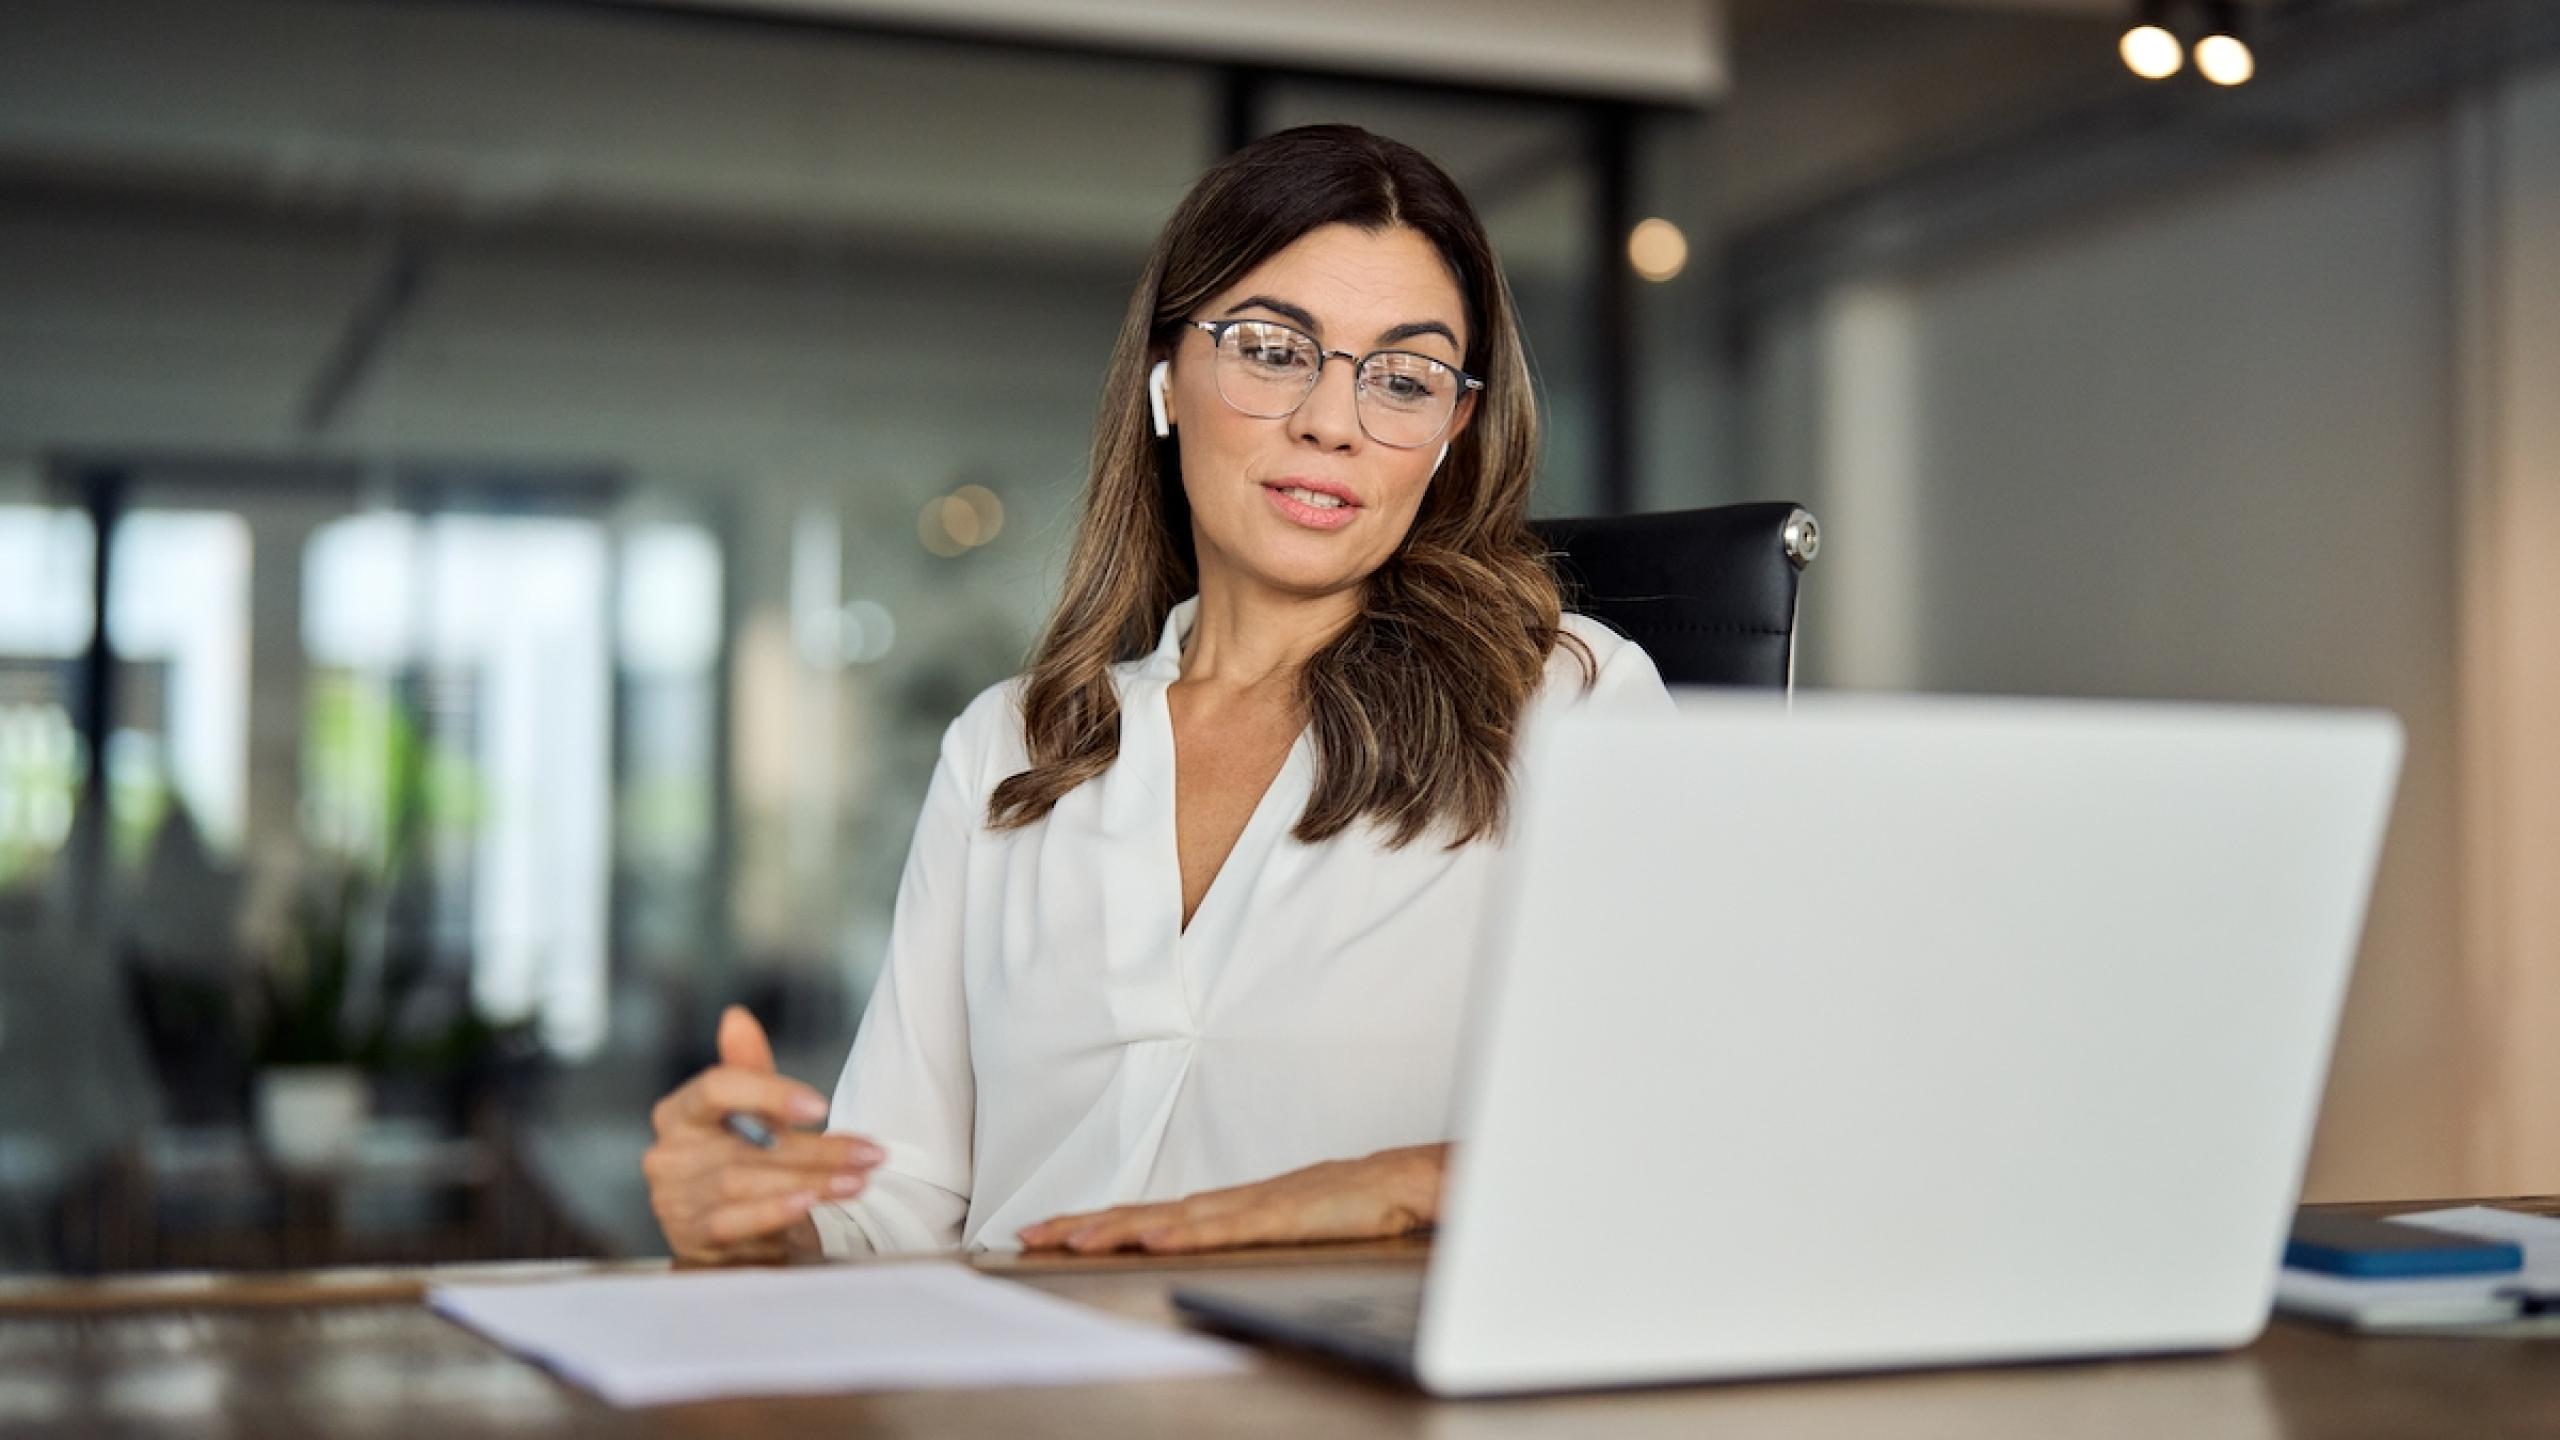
point(654, 1339)
point(2435, 1300)
point(2537, 1235)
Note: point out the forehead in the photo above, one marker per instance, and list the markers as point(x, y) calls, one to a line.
point(1358, 283)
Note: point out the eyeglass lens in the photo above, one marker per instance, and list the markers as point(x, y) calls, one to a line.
point(1267, 369)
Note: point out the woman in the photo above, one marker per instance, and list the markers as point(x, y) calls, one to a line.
point(1181, 947)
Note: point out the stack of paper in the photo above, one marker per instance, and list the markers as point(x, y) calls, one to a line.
point(2456, 1300)
point(647, 1340)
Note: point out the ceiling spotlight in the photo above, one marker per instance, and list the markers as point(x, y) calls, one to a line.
point(2221, 55)
point(1657, 249)
point(2150, 49)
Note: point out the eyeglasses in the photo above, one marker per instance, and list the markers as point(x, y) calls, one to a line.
point(1267, 370)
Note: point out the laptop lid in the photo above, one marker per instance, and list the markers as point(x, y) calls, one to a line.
point(1897, 1032)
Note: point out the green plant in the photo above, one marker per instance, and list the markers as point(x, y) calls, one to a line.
point(306, 1010)
point(326, 997)
point(318, 1003)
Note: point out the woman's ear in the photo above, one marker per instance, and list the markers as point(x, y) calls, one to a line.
point(1458, 426)
point(1160, 398)
point(1466, 414)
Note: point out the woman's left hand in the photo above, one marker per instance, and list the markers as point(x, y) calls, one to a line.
point(1394, 1192)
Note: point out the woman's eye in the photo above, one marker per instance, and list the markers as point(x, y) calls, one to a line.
point(1403, 386)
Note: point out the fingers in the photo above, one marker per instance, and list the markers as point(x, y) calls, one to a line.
point(1190, 1233)
point(742, 1041)
point(752, 1219)
point(798, 1150)
point(745, 1184)
point(824, 1153)
point(741, 1210)
point(1102, 1230)
point(1049, 1233)
point(1055, 1230)
point(718, 1199)
point(1371, 1198)
point(816, 1159)
point(1268, 1219)
point(717, 1091)
point(1224, 1220)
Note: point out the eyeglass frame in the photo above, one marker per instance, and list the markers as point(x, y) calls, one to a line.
point(1217, 330)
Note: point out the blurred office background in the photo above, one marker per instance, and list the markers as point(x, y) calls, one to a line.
point(499, 499)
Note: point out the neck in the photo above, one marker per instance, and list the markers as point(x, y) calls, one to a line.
point(1246, 635)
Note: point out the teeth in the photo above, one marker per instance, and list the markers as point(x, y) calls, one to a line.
point(1310, 497)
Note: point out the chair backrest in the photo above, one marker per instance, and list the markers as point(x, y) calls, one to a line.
point(1710, 594)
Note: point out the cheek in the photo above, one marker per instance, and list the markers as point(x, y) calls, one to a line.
point(1410, 485)
point(1213, 447)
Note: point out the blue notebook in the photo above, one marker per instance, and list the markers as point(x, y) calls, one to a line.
point(2368, 1248)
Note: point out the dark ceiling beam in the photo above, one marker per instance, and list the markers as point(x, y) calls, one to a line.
point(420, 482)
point(163, 201)
point(368, 334)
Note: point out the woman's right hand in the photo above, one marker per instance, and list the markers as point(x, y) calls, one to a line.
point(721, 1200)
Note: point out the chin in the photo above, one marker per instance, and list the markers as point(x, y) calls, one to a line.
point(1310, 581)
point(1303, 574)
point(1282, 557)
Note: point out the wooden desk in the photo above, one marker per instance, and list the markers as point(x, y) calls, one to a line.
point(355, 1354)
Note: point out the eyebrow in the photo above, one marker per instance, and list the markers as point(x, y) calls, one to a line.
point(1307, 322)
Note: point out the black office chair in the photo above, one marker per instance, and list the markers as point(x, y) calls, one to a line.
point(1710, 594)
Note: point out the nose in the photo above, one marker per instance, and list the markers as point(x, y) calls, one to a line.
point(1330, 415)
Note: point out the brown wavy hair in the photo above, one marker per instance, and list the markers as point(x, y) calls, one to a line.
point(1416, 703)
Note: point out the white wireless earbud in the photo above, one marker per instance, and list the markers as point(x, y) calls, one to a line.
point(1442, 457)
point(1157, 379)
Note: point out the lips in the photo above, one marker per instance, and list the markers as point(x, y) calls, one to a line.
point(1294, 503)
point(1332, 489)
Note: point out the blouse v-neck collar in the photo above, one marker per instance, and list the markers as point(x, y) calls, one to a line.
point(1164, 663)
point(1279, 806)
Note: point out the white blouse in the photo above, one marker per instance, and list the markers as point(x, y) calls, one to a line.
point(1046, 1037)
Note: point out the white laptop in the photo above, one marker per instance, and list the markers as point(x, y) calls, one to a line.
point(1881, 1033)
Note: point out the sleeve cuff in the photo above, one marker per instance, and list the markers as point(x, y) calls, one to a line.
point(839, 1238)
point(897, 1215)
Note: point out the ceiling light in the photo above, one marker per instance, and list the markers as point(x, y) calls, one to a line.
point(933, 526)
point(2150, 49)
point(2221, 55)
point(986, 512)
point(1657, 249)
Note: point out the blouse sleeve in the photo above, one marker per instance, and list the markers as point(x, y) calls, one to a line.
point(1627, 679)
point(908, 1084)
